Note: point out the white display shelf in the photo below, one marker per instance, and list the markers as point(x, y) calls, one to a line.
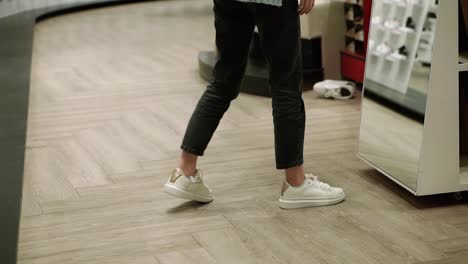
point(441, 169)
point(384, 72)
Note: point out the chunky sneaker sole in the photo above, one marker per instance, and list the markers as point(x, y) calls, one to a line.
point(295, 204)
point(173, 189)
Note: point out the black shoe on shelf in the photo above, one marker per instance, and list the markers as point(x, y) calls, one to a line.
point(410, 23)
point(403, 50)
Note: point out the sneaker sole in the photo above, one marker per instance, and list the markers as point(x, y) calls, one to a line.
point(178, 192)
point(295, 204)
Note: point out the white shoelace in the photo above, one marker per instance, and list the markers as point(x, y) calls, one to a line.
point(195, 179)
point(313, 180)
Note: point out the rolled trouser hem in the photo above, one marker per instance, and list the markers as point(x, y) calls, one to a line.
point(191, 150)
point(289, 165)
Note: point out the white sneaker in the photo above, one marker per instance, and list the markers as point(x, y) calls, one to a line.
point(359, 35)
point(188, 187)
point(341, 90)
point(396, 56)
point(376, 20)
point(371, 45)
point(392, 24)
point(311, 193)
point(382, 50)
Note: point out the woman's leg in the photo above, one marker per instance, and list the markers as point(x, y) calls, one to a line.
point(234, 25)
point(280, 35)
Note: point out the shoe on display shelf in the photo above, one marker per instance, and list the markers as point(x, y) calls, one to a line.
point(403, 50)
point(350, 32)
point(382, 50)
point(359, 33)
point(424, 41)
point(371, 45)
point(432, 15)
point(376, 20)
point(349, 12)
point(340, 90)
point(424, 46)
point(351, 46)
point(406, 30)
point(358, 14)
point(430, 26)
point(392, 24)
point(409, 26)
point(397, 56)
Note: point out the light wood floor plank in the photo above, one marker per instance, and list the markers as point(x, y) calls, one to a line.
point(48, 180)
point(187, 256)
point(225, 246)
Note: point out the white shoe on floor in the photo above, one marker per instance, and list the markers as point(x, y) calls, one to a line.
point(312, 193)
point(188, 187)
point(341, 90)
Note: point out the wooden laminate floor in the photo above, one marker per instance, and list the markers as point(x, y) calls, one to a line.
point(112, 90)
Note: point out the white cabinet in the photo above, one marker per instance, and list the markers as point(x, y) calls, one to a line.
point(417, 147)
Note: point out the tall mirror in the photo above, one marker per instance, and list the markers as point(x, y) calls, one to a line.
point(398, 69)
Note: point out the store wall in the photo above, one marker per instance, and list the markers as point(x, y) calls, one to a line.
point(9, 7)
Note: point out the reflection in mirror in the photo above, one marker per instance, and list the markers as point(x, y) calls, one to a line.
point(395, 90)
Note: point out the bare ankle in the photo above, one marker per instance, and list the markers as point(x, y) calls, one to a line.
point(188, 163)
point(295, 176)
point(295, 181)
point(188, 171)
